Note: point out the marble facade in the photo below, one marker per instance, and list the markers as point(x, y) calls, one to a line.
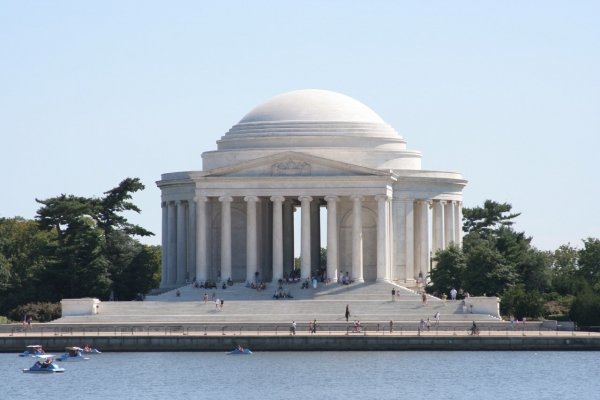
point(299, 152)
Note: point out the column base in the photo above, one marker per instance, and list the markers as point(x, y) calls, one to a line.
point(385, 280)
point(359, 280)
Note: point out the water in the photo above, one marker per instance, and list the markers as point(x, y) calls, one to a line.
point(312, 375)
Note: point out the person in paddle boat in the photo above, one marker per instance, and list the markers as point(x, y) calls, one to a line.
point(32, 350)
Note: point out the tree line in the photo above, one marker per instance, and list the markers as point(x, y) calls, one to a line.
point(497, 260)
point(75, 247)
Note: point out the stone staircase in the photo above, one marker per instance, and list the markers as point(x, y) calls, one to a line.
point(368, 302)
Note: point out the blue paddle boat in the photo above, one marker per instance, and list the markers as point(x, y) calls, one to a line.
point(44, 365)
point(88, 349)
point(73, 354)
point(239, 351)
point(32, 350)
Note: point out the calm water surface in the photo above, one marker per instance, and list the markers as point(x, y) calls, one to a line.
point(312, 375)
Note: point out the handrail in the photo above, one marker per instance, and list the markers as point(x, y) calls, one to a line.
point(332, 329)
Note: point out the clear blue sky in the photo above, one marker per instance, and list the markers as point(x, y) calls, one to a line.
point(507, 93)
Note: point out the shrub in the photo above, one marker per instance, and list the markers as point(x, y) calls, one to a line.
point(516, 301)
point(39, 312)
point(584, 309)
point(3, 320)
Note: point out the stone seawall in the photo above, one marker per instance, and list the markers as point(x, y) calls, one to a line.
point(306, 343)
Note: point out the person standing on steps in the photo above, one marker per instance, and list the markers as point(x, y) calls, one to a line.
point(393, 294)
point(453, 294)
point(347, 313)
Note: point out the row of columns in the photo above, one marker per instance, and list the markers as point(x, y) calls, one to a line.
point(413, 240)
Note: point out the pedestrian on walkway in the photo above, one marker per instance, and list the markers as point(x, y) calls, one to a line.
point(347, 313)
point(436, 316)
point(393, 294)
point(453, 294)
point(293, 328)
point(217, 304)
point(424, 298)
point(205, 298)
point(391, 326)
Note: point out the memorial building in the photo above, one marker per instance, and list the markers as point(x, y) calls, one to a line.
point(299, 152)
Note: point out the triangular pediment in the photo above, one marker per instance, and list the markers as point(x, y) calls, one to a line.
point(292, 164)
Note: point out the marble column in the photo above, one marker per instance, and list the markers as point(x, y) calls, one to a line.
point(437, 234)
point(164, 244)
point(277, 237)
point(424, 238)
point(181, 242)
point(332, 238)
point(251, 239)
point(225, 236)
point(448, 223)
point(315, 234)
point(382, 238)
point(172, 247)
point(357, 239)
point(305, 237)
point(399, 240)
point(458, 223)
point(191, 240)
point(288, 237)
point(409, 207)
point(201, 237)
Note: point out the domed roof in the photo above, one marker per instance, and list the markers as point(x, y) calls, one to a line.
point(312, 105)
point(315, 122)
point(314, 113)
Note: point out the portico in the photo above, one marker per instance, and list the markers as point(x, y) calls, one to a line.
point(234, 219)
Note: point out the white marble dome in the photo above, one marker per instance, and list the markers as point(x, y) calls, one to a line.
point(312, 105)
point(317, 122)
point(314, 113)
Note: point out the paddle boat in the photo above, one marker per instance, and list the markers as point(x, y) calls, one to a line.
point(88, 349)
point(73, 354)
point(239, 351)
point(32, 350)
point(45, 365)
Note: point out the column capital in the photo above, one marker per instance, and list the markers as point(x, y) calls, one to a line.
point(442, 202)
point(225, 199)
point(305, 198)
point(424, 202)
point(382, 197)
point(331, 198)
point(357, 197)
point(200, 198)
point(181, 201)
point(280, 199)
point(251, 199)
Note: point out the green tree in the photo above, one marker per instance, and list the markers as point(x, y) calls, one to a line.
point(23, 257)
point(449, 270)
point(490, 217)
point(488, 272)
point(534, 268)
point(94, 250)
point(589, 262)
